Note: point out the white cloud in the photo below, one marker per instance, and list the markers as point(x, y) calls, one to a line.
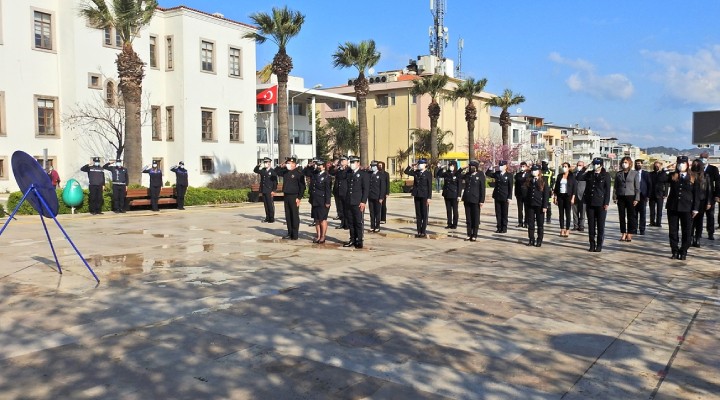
point(690, 78)
point(586, 80)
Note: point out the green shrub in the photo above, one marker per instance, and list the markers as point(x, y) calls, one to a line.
point(2, 211)
point(201, 196)
point(27, 208)
point(234, 180)
point(397, 186)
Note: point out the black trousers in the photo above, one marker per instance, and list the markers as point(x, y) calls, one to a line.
point(641, 213)
point(501, 214)
point(180, 191)
point(375, 212)
point(118, 197)
point(154, 196)
point(451, 208)
point(472, 218)
point(548, 214)
point(356, 222)
point(656, 210)
point(340, 207)
point(680, 222)
point(421, 214)
point(628, 223)
point(535, 216)
point(711, 219)
point(564, 208)
point(383, 214)
point(578, 214)
point(95, 199)
point(697, 222)
point(596, 223)
point(292, 215)
point(269, 204)
point(520, 210)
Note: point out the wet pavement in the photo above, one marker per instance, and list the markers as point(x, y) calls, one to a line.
point(211, 303)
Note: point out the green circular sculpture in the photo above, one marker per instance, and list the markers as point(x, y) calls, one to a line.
point(73, 193)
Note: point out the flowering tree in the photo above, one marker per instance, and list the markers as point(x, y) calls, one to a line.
point(491, 152)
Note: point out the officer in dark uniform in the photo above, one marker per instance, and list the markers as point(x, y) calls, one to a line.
point(376, 195)
point(268, 186)
point(320, 199)
point(309, 171)
point(550, 180)
point(156, 183)
point(714, 182)
point(682, 206)
point(422, 193)
point(119, 179)
point(181, 183)
point(293, 192)
point(537, 203)
point(597, 201)
point(339, 173)
point(381, 168)
point(520, 192)
point(358, 188)
point(452, 177)
point(502, 193)
point(658, 193)
point(473, 198)
point(96, 176)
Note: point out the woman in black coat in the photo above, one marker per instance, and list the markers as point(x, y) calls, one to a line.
point(537, 202)
point(320, 199)
point(704, 183)
point(682, 206)
point(473, 198)
point(564, 192)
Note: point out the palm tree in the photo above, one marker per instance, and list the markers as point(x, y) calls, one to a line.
point(280, 26)
point(467, 90)
point(361, 56)
point(127, 17)
point(432, 85)
point(507, 100)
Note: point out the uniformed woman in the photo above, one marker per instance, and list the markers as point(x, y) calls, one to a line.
point(473, 198)
point(451, 192)
point(320, 199)
point(537, 202)
point(383, 213)
point(703, 180)
point(156, 183)
point(564, 198)
point(376, 195)
point(293, 192)
point(422, 193)
point(683, 203)
point(597, 201)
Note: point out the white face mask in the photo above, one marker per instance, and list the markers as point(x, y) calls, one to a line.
point(421, 167)
point(597, 166)
point(97, 164)
point(290, 166)
point(374, 169)
point(354, 166)
point(565, 170)
point(625, 165)
point(536, 173)
point(682, 167)
point(703, 160)
point(503, 168)
point(452, 168)
point(154, 165)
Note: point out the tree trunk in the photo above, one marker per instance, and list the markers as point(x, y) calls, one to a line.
point(434, 113)
point(284, 149)
point(504, 124)
point(470, 117)
point(363, 128)
point(130, 71)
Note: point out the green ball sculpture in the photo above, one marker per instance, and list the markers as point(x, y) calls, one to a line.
point(73, 193)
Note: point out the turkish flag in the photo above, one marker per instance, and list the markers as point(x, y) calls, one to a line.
point(268, 96)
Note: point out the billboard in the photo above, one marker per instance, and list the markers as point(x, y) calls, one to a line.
point(706, 127)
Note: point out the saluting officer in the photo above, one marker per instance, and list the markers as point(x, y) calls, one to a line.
point(502, 193)
point(451, 192)
point(293, 192)
point(96, 176)
point(597, 201)
point(156, 183)
point(422, 193)
point(376, 195)
point(181, 183)
point(537, 203)
point(119, 178)
point(268, 186)
point(339, 173)
point(358, 187)
point(682, 206)
point(520, 192)
point(473, 198)
point(320, 198)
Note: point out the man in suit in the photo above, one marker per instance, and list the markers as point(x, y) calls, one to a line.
point(644, 185)
point(597, 202)
point(502, 193)
point(521, 192)
point(422, 193)
point(268, 186)
point(658, 193)
point(714, 174)
point(578, 208)
point(358, 188)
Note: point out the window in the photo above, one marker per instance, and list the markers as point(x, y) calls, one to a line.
point(392, 98)
point(207, 56)
point(155, 120)
point(110, 93)
point(261, 135)
point(42, 30)
point(392, 165)
point(3, 132)
point(234, 61)
point(94, 81)
point(516, 136)
point(303, 137)
point(3, 163)
point(109, 34)
point(50, 162)
point(297, 109)
point(337, 106)
point(169, 52)
point(235, 127)
point(207, 164)
point(153, 52)
point(414, 99)
point(46, 121)
point(170, 123)
point(208, 125)
point(381, 100)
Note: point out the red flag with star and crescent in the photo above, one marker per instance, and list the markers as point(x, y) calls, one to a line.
point(268, 96)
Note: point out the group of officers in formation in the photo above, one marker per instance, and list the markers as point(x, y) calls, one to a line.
point(689, 191)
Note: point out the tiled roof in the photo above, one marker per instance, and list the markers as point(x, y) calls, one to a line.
point(206, 13)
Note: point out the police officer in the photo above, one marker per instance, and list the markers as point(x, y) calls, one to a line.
point(119, 179)
point(658, 193)
point(520, 192)
point(502, 193)
point(293, 192)
point(96, 176)
point(705, 191)
point(320, 198)
point(376, 195)
point(309, 171)
point(181, 183)
point(682, 206)
point(578, 208)
point(422, 194)
point(714, 182)
point(452, 177)
point(268, 186)
point(358, 188)
point(597, 201)
point(549, 180)
point(339, 173)
point(383, 213)
point(537, 203)
point(473, 198)
point(156, 183)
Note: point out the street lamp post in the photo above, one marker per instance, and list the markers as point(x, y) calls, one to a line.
point(292, 107)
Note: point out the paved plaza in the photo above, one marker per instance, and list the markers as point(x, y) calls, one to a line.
point(209, 303)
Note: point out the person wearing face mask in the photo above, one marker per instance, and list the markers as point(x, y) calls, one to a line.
point(682, 206)
point(376, 195)
point(451, 192)
point(502, 194)
point(96, 176)
point(181, 183)
point(520, 192)
point(564, 192)
point(473, 198)
point(320, 199)
point(119, 179)
point(383, 212)
point(422, 194)
point(156, 183)
point(358, 186)
point(597, 202)
point(658, 193)
point(549, 177)
point(268, 186)
point(578, 208)
point(714, 181)
point(627, 196)
point(293, 192)
point(537, 204)
point(644, 188)
point(705, 192)
point(339, 173)
point(54, 176)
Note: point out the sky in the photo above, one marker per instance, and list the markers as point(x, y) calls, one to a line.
point(635, 70)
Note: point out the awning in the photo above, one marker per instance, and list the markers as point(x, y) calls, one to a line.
point(454, 155)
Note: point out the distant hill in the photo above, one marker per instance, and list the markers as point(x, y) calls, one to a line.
point(673, 151)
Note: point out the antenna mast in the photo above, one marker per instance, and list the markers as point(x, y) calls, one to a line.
point(438, 32)
point(458, 69)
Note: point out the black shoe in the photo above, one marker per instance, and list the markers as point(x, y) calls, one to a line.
point(695, 243)
point(122, 211)
point(592, 248)
point(350, 243)
point(711, 236)
point(312, 224)
point(448, 227)
point(498, 230)
point(264, 221)
point(675, 255)
point(116, 211)
point(598, 248)
point(519, 225)
point(287, 237)
point(358, 245)
point(503, 231)
point(659, 226)
point(530, 242)
point(538, 243)
point(271, 221)
point(315, 240)
point(321, 241)
point(581, 229)
point(642, 233)
point(682, 256)
point(467, 239)
point(340, 227)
